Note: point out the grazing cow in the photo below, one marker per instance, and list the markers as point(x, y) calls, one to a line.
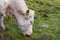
point(23, 15)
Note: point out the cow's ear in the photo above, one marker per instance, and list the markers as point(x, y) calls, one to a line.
point(27, 13)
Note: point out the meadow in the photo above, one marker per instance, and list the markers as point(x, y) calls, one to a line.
point(46, 12)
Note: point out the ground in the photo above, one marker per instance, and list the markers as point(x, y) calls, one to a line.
point(46, 12)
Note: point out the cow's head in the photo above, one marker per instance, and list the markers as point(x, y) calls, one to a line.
point(25, 22)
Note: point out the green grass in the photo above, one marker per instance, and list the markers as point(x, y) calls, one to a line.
point(46, 11)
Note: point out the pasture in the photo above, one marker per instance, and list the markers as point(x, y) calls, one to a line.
point(46, 12)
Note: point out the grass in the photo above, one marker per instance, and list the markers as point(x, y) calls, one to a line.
point(46, 11)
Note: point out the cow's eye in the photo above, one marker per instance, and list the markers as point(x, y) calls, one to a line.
point(30, 16)
point(31, 22)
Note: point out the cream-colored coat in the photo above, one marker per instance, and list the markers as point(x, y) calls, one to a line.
point(23, 15)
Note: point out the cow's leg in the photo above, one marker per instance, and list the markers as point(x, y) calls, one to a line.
point(2, 22)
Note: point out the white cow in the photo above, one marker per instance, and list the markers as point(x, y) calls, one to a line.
point(23, 15)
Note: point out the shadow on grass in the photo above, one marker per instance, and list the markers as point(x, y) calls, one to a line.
point(44, 37)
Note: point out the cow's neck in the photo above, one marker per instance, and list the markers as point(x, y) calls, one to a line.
point(19, 5)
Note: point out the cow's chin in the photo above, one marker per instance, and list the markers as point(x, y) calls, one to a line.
point(26, 30)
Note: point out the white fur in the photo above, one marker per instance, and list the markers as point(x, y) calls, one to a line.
point(25, 24)
point(19, 5)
